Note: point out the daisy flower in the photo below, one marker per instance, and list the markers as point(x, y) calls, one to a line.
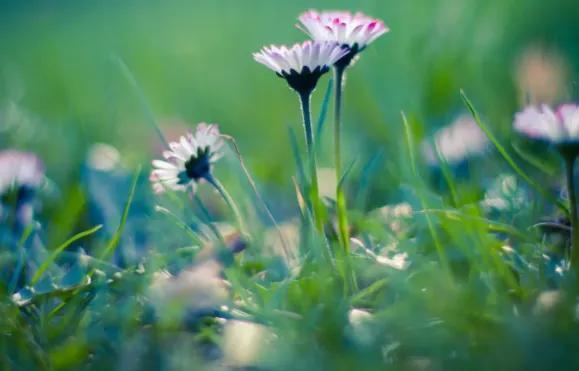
point(21, 170)
point(302, 64)
point(355, 31)
point(456, 142)
point(560, 126)
point(188, 161)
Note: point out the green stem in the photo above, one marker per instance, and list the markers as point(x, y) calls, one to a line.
point(341, 206)
point(206, 218)
point(228, 200)
point(314, 187)
point(264, 204)
point(569, 167)
point(342, 211)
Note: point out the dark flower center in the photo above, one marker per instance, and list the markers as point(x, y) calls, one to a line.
point(347, 59)
point(197, 167)
point(304, 82)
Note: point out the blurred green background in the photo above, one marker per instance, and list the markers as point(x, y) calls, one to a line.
point(61, 87)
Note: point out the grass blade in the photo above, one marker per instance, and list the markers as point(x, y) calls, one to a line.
point(533, 160)
point(409, 144)
point(365, 177)
point(423, 201)
point(323, 112)
point(297, 157)
point(506, 155)
point(114, 242)
point(345, 174)
point(141, 97)
point(45, 264)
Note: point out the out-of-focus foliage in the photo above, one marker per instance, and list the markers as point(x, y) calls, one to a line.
point(460, 262)
point(59, 74)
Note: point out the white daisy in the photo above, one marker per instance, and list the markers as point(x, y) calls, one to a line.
point(189, 160)
point(558, 127)
point(456, 142)
point(20, 170)
point(302, 64)
point(355, 31)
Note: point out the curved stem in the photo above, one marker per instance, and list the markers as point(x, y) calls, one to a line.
point(569, 166)
point(228, 200)
point(314, 187)
point(264, 204)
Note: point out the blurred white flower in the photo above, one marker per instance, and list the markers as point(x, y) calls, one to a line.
point(398, 261)
point(103, 157)
point(189, 160)
point(285, 236)
point(20, 169)
point(244, 342)
point(302, 64)
point(547, 301)
point(558, 126)
point(396, 216)
point(355, 31)
point(361, 324)
point(456, 142)
point(356, 317)
point(388, 257)
point(195, 289)
point(504, 193)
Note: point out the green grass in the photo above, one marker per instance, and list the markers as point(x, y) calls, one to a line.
point(84, 285)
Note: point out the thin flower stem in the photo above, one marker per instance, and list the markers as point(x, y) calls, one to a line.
point(314, 187)
point(341, 207)
point(569, 167)
point(259, 196)
point(342, 211)
point(228, 200)
point(206, 217)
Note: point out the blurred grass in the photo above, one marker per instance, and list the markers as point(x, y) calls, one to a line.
point(465, 301)
point(193, 61)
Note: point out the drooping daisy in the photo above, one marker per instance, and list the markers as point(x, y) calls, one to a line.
point(302, 64)
point(189, 161)
point(22, 170)
point(559, 127)
point(354, 31)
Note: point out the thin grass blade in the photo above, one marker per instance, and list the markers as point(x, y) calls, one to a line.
point(114, 242)
point(323, 112)
point(46, 264)
point(516, 168)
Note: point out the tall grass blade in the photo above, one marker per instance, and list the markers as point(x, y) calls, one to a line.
point(323, 112)
point(46, 264)
point(297, 158)
point(114, 242)
point(516, 168)
point(423, 202)
point(533, 160)
point(365, 176)
point(126, 71)
point(409, 144)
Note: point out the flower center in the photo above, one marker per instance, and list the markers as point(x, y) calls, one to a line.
point(304, 81)
point(197, 167)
